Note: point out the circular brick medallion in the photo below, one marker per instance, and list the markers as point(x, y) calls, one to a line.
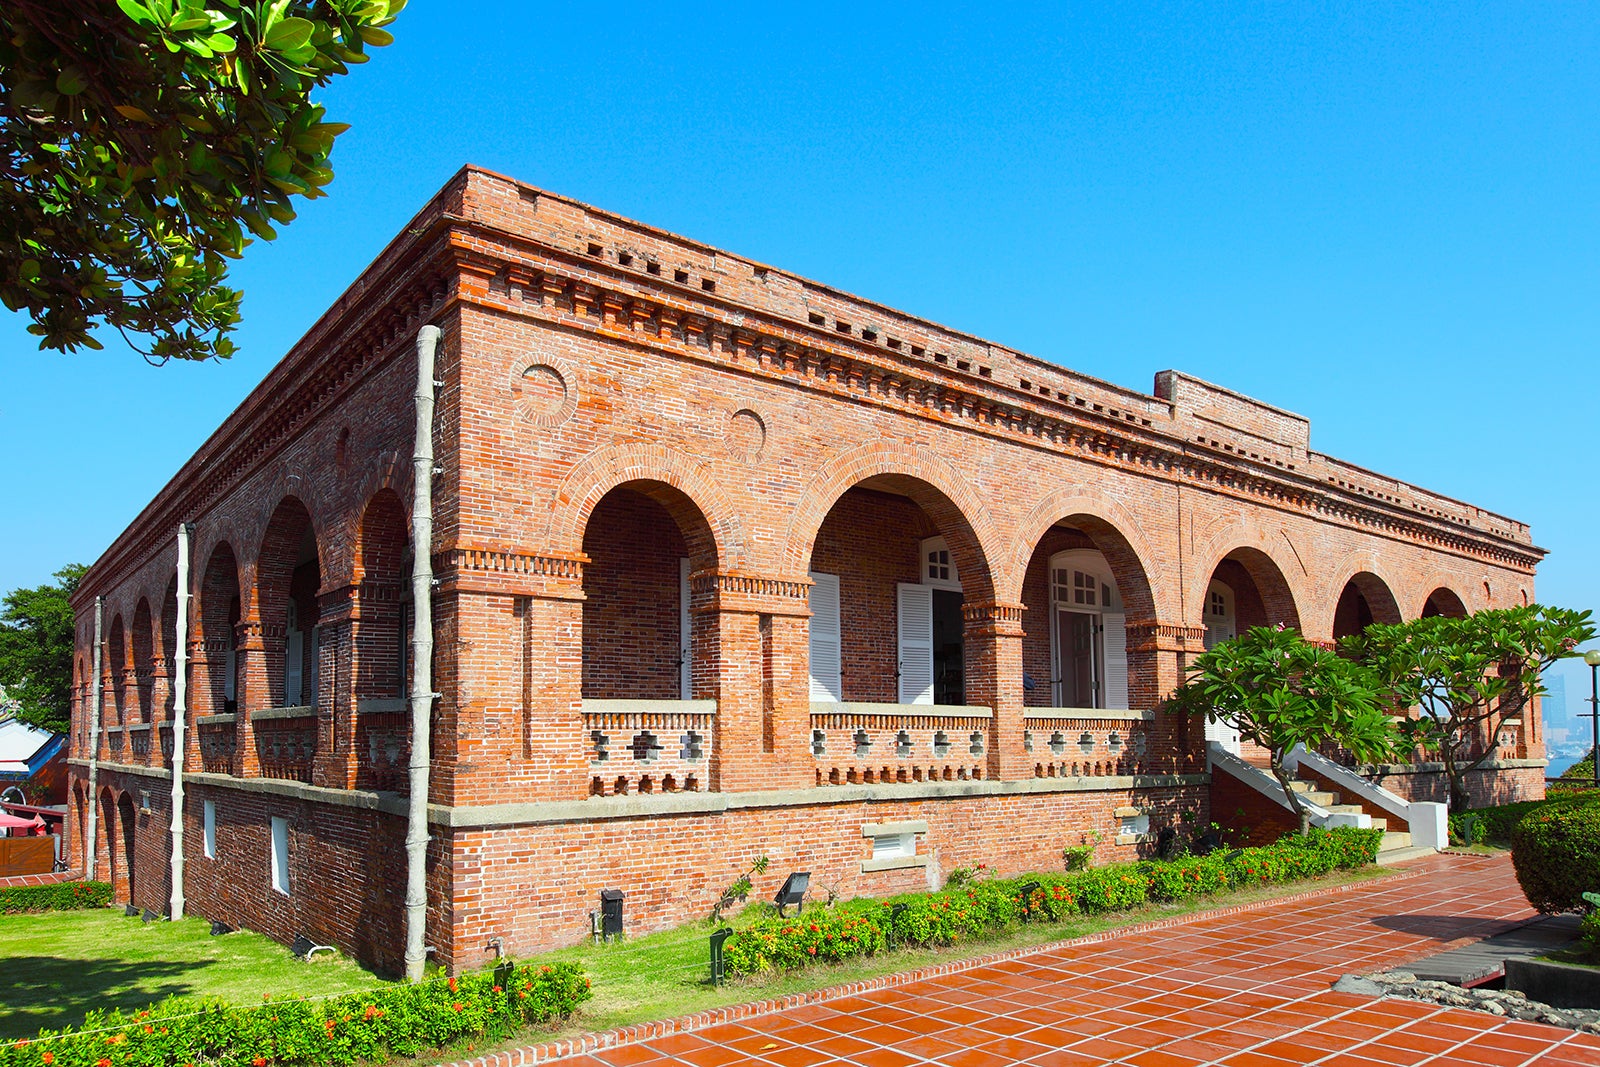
point(746, 435)
point(544, 391)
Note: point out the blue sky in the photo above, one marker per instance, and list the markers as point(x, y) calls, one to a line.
point(1386, 220)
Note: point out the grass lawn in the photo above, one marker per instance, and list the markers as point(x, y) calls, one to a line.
point(57, 966)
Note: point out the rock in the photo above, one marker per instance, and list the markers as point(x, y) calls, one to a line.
point(1494, 1009)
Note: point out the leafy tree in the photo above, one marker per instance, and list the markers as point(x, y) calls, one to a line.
point(36, 640)
point(140, 140)
point(1280, 690)
point(1466, 676)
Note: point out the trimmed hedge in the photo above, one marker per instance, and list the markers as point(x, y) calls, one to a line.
point(367, 1027)
point(986, 907)
point(1495, 824)
point(60, 896)
point(1556, 853)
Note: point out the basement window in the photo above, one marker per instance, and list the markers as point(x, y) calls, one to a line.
point(211, 829)
point(280, 855)
point(894, 846)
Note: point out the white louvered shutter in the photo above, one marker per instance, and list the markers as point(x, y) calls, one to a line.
point(1116, 646)
point(915, 625)
point(827, 682)
point(685, 636)
point(313, 664)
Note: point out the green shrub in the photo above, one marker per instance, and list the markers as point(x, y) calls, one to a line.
point(1494, 825)
point(1556, 853)
point(976, 907)
point(1589, 934)
point(367, 1027)
point(61, 896)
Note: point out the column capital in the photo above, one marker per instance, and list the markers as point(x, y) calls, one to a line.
point(713, 590)
point(998, 618)
point(1150, 635)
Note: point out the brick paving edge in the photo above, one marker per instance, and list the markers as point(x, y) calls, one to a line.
point(686, 1024)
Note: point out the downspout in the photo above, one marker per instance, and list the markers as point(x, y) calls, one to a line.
point(180, 711)
point(421, 658)
point(91, 845)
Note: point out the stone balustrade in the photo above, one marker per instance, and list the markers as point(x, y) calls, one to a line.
point(1088, 742)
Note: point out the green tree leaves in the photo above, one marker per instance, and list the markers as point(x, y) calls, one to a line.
point(142, 145)
point(36, 642)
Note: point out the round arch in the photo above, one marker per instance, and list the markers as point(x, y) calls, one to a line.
point(688, 490)
point(1116, 533)
point(1442, 601)
point(1362, 598)
point(943, 495)
point(1278, 603)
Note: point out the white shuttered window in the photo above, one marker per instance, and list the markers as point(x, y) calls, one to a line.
point(915, 624)
point(827, 682)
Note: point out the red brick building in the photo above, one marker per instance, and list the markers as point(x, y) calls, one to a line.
point(729, 564)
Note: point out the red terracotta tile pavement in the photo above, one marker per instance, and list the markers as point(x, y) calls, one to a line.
point(1246, 989)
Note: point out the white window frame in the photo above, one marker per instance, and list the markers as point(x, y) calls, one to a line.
point(894, 846)
point(280, 854)
point(1085, 563)
point(210, 823)
point(936, 565)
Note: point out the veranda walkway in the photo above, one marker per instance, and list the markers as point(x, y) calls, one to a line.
point(1248, 989)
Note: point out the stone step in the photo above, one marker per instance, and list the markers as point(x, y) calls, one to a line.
point(1394, 839)
point(1401, 855)
point(1345, 809)
point(1379, 823)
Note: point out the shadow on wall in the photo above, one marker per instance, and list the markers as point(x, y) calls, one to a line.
point(56, 991)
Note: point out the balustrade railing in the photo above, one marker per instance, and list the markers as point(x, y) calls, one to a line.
point(1088, 742)
point(286, 742)
point(861, 743)
point(648, 746)
point(217, 740)
point(383, 744)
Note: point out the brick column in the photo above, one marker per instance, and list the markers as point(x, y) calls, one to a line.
point(508, 663)
point(1158, 658)
point(333, 765)
point(992, 663)
point(751, 655)
point(251, 691)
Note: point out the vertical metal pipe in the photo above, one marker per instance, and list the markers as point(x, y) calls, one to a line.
point(421, 658)
point(180, 711)
point(97, 689)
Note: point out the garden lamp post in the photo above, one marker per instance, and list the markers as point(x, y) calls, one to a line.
point(1592, 658)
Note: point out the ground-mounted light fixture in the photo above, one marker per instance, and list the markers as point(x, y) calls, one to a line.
point(793, 891)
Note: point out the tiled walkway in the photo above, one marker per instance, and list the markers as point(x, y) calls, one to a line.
point(1248, 989)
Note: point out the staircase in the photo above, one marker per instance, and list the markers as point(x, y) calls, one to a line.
point(1419, 828)
point(1393, 840)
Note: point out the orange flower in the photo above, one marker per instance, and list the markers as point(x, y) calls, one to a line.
point(49, 1057)
point(102, 1063)
point(452, 983)
point(259, 1061)
point(457, 1005)
point(497, 989)
point(370, 1012)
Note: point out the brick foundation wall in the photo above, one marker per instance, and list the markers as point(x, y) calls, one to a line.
point(1486, 787)
point(535, 885)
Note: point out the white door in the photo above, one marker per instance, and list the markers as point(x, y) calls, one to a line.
point(1220, 627)
point(915, 626)
point(827, 671)
point(685, 645)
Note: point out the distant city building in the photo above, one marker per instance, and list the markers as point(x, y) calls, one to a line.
point(1554, 705)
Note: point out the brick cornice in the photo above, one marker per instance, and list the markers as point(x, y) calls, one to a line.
point(736, 591)
point(729, 336)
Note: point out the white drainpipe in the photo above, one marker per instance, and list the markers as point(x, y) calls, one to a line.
point(90, 847)
point(180, 711)
point(421, 658)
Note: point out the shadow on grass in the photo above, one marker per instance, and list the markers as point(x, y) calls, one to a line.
point(54, 991)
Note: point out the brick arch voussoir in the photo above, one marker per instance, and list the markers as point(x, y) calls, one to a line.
point(1347, 570)
point(605, 469)
point(1149, 596)
point(954, 506)
point(1282, 574)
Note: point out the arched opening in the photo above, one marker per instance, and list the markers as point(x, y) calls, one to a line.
point(1084, 583)
point(125, 820)
point(116, 661)
point(1365, 599)
point(106, 831)
point(643, 539)
point(1444, 602)
point(892, 565)
point(144, 661)
point(218, 621)
point(81, 842)
point(382, 668)
point(167, 654)
point(1246, 590)
point(288, 578)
